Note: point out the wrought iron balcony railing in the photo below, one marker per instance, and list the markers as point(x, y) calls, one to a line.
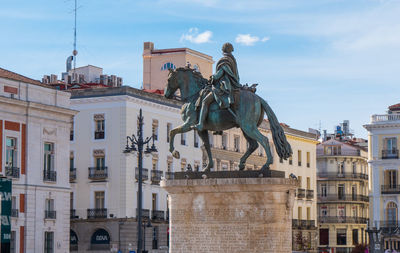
point(72, 174)
point(14, 212)
point(49, 214)
point(145, 174)
point(97, 213)
point(310, 194)
point(157, 215)
point(342, 197)
point(145, 213)
point(390, 154)
point(49, 175)
point(156, 176)
point(12, 172)
point(342, 219)
point(301, 193)
point(341, 176)
point(169, 175)
point(303, 224)
point(321, 152)
point(98, 173)
point(390, 189)
point(99, 135)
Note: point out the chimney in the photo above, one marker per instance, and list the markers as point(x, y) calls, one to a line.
point(148, 46)
point(53, 78)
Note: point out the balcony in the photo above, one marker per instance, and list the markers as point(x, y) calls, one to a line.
point(303, 224)
point(97, 213)
point(341, 176)
point(145, 213)
point(72, 174)
point(310, 194)
point(157, 215)
point(49, 214)
point(98, 173)
point(145, 174)
point(342, 219)
point(342, 197)
point(390, 189)
point(301, 193)
point(156, 176)
point(72, 214)
point(169, 175)
point(390, 154)
point(14, 213)
point(385, 118)
point(320, 152)
point(49, 176)
point(98, 135)
point(12, 172)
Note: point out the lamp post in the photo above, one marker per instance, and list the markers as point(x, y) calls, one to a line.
point(133, 144)
point(148, 225)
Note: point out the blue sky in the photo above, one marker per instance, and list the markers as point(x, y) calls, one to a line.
point(315, 60)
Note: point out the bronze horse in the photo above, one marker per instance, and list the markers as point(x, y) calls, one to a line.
point(249, 115)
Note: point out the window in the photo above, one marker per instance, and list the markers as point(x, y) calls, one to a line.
point(236, 143)
point(391, 212)
point(48, 242)
point(48, 156)
point(71, 200)
point(71, 132)
point(224, 138)
point(49, 209)
point(341, 237)
point(323, 190)
point(154, 129)
point(308, 213)
point(169, 127)
point(324, 236)
point(290, 160)
point(308, 159)
point(183, 138)
point(154, 201)
point(155, 238)
point(11, 152)
point(308, 183)
point(299, 157)
point(391, 144)
point(154, 164)
point(100, 162)
point(196, 139)
point(168, 65)
point(354, 192)
point(341, 195)
point(341, 168)
point(99, 199)
point(300, 181)
point(99, 126)
point(391, 179)
point(299, 213)
point(324, 211)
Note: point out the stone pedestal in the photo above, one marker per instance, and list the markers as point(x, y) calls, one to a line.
point(227, 215)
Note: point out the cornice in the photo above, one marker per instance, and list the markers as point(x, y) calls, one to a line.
point(297, 138)
point(384, 125)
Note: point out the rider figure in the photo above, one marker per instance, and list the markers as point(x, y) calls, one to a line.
point(224, 82)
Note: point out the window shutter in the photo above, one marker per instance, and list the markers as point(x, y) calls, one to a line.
point(22, 203)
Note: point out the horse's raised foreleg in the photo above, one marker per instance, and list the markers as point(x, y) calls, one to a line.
point(253, 145)
point(254, 133)
point(185, 127)
point(204, 137)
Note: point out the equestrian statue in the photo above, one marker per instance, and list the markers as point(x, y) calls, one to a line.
point(221, 103)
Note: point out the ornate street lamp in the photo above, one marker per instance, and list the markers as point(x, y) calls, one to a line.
point(136, 144)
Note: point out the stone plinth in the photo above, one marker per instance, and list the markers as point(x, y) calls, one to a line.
point(227, 215)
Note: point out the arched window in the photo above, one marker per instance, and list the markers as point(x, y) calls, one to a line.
point(100, 240)
point(73, 240)
point(391, 213)
point(168, 65)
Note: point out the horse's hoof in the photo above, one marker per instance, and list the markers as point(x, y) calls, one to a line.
point(204, 176)
point(241, 167)
point(176, 154)
point(265, 167)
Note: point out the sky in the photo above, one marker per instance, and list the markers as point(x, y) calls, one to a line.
point(317, 62)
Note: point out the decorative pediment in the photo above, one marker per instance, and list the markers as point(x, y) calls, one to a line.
point(99, 153)
point(50, 131)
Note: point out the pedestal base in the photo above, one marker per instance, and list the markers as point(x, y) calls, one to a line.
point(226, 215)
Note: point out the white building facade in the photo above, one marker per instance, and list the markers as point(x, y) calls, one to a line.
point(384, 162)
point(34, 128)
point(104, 178)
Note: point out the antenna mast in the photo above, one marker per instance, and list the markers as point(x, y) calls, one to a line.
point(74, 53)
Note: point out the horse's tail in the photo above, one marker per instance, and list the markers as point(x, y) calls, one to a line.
point(282, 146)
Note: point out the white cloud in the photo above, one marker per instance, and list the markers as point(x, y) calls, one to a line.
point(248, 40)
point(195, 37)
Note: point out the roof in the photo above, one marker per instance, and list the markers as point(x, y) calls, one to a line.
point(395, 107)
point(183, 49)
point(17, 77)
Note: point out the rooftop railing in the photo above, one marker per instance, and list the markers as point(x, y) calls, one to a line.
point(384, 117)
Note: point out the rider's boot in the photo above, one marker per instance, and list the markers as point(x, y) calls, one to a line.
point(202, 118)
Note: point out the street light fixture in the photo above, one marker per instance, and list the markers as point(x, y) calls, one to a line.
point(136, 144)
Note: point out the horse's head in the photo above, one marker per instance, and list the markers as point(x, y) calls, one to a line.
point(172, 85)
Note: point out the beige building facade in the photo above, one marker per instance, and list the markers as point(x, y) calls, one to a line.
point(157, 62)
point(343, 190)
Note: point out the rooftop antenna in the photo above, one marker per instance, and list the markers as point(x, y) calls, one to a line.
point(75, 52)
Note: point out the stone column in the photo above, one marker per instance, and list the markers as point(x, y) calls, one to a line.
point(228, 215)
